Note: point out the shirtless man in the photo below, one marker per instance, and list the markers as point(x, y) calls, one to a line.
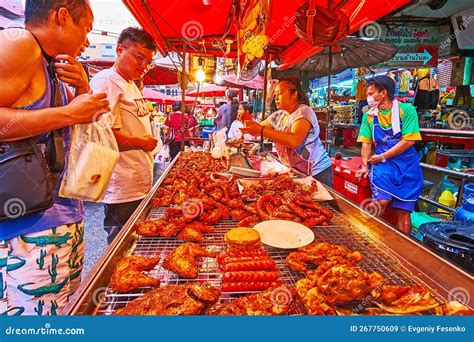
point(42, 254)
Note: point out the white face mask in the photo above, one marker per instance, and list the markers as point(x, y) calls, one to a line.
point(371, 102)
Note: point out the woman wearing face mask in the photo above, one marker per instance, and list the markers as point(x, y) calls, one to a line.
point(295, 130)
point(394, 172)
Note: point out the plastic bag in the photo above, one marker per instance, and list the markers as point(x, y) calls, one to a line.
point(157, 135)
point(271, 166)
point(219, 139)
point(92, 159)
point(162, 159)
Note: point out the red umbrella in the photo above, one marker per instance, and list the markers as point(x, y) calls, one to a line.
point(210, 90)
point(157, 96)
point(158, 75)
point(188, 99)
point(234, 82)
point(172, 22)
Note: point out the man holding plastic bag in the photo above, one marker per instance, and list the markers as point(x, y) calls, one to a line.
point(129, 118)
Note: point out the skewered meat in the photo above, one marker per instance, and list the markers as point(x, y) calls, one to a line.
point(172, 300)
point(182, 260)
point(127, 276)
point(275, 301)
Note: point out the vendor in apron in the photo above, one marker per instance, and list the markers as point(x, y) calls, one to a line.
point(295, 130)
point(394, 170)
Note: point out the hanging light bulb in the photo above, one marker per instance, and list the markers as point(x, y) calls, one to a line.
point(200, 74)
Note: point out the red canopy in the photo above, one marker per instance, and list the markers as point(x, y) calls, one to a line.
point(158, 75)
point(234, 82)
point(188, 99)
point(210, 90)
point(172, 22)
point(157, 96)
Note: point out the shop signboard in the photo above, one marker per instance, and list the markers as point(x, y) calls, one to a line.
point(417, 46)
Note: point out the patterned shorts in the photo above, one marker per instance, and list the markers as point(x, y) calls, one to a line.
point(39, 272)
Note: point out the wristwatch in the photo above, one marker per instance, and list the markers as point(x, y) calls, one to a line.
point(383, 158)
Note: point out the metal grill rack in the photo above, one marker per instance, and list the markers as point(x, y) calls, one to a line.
point(339, 231)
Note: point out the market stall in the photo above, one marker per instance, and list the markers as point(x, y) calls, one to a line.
point(380, 253)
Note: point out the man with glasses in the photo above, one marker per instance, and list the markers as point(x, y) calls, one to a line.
point(132, 178)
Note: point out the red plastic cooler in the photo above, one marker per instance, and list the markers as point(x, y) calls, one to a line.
point(346, 182)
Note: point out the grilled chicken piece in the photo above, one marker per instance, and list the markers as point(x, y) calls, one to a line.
point(128, 276)
point(333, 282)
point(194, 232)
point(317, 253)
point(172, 300)
point(271, 302)
point(404, 299)
point(182, 260)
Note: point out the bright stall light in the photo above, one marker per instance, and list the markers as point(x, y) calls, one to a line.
point(200, 75)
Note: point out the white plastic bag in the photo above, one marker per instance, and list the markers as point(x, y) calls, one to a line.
point(157, 135)
point(92, 159)
point(219, 139)
point(162, 159)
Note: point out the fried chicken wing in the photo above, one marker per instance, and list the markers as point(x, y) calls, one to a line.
point(182, 260)
point(172, 300)
point(404, 299)
point(317, 253)
point(128, 276)
point(274, 301)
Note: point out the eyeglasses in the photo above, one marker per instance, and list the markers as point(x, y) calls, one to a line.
point(140, 58)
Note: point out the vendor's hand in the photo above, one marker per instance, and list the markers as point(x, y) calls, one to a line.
point(70, 71)
point(252, 128)
point(244, 116)
point(148, 143)
point(363, 172)
point(375, 159)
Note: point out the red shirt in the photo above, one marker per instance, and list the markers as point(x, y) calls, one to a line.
point(173, 121)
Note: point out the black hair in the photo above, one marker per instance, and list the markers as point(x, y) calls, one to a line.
point(38, 11)
point(296, 85)
point(383, 83)
point(247, 106)
point(137, 35)
point(176, 107)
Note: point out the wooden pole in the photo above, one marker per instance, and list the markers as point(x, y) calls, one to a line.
point(328, 114)
point(183, 97)
point(264, 104)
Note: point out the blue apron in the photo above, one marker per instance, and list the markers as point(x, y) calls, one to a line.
point(400, 176)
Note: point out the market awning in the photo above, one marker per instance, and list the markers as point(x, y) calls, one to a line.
point(157, 96)
point(172, 23)
point(158, 75)
point(233, 82)
point(209, 90)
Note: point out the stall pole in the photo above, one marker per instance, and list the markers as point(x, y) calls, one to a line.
point(328, 112)
point(264, 103)
point(183, 97)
